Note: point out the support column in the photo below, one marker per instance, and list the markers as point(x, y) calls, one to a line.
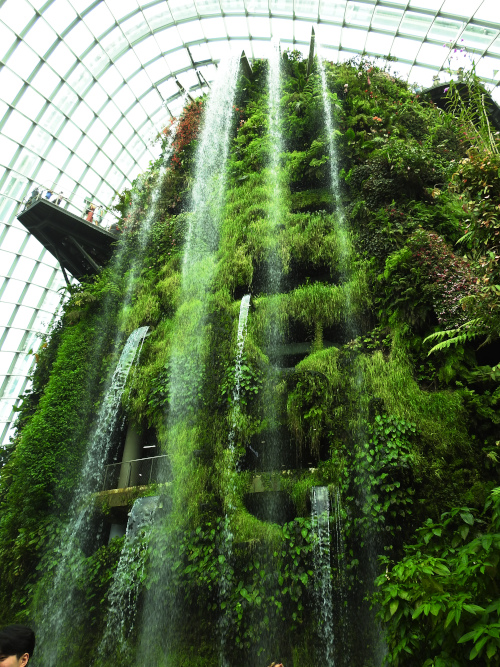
point(131, 452)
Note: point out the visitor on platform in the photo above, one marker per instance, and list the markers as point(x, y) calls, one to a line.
point(48, 194)
point(58, 199)
point(90, 214)
point(17, 643)
point(98, 216)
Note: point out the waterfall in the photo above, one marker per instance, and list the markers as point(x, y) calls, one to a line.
point(189, 342)
point(124, 590)
point(322, 571)
point(58, 611)
point(226, 545)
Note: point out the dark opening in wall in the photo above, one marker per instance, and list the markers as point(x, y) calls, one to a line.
point(489, 355)
point(273, 506)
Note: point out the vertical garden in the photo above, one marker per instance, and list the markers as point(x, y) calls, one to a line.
point(315, 258)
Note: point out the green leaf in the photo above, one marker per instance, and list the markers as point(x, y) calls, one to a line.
point(394, 607)
point(467, 517)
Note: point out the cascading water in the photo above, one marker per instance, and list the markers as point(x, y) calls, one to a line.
point(124, 590)
point(59, 609)
point(368, 562)
point(189, 337)
point(226, 545)
point(320, 515)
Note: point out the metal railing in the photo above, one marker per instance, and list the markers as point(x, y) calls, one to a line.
point(139, 472)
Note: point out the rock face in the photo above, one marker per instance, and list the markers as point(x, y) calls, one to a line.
point(334, 200)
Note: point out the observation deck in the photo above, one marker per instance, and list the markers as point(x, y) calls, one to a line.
point(80, 247)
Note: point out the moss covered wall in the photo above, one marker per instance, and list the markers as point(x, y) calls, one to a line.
point(399, 435)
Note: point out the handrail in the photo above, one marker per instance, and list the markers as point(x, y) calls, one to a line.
point(136, 472)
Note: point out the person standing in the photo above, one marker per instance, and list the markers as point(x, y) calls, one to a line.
point(90, 214)
point(48, 194)
point(98, 216)
point(58, 199)
point(17, 643)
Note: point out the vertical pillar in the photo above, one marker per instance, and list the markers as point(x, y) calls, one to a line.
point(131, 452)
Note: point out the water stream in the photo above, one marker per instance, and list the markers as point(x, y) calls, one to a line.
point(124, 590)
point(59, 610)
point(320, 515)
point(189, 344)
point(226, 541)
point(341, 584)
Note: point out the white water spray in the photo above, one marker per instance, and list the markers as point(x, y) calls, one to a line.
point(322, 571)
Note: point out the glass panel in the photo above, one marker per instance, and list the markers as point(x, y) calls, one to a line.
point(98, 97)
point(31, 343)
point(127, 64)
point(43, 274)
point(13, 291)
point(386, 18)
point(80, 38)
point(353, 39)
point(115, 178)
point(200, 52)
point(485, 9)
point(134, 28)
point(101, 163)
point(86, 149)
point(40, 37)
point(51, 300)
point(24, 60)
point(58, 154)
point(42, 320)
point(233, 6)
point(111, 79)
point(92, 180)
point(415, 24)
point(99, 19)
point(191, 31)
point(110, 114)
point(121, 8)
point(182, 9)
point(378, 44)
point(33, 296)
point(16, 14)
point(33, 248)
point(70, 135)
point(259, 27)
point(52, 119)
point(158, 70)
point(124, 98)
point(98, 131)
point(59, 15)
point(65, 99)
point(358, 14)
point(406, 49)
point(168, 89)
point(6, 260)
point(7, 39)
point(31, 103)
point(6, 313)
point(169, 39)
point(61, 59)
point(157, 16)
point(139, 83)
point(136, 116)
point(445, 30)
point(82, 115)
point(6, 406)
point(80, 79)
point(47, 175)
point(478, 37)
point(23, 364)
point(179, 60)
point(332, 10)
point(207, 7)
point(23, 268)
point(13, 387)
point(96, 61)
point(13, 240)
point(430, 54)
point(26, 163)
point(45, 81)
point(10, 84)
point(424, 4)
point(16, 126)
point(112, 147)
point(123, 131)
point(75, 167)
point(12, 340)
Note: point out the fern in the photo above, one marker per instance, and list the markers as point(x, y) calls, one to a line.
point(455, 336)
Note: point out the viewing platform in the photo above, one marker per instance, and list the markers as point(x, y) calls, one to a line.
point(80, 247)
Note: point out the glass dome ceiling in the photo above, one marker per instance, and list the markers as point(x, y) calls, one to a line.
point(86, 85)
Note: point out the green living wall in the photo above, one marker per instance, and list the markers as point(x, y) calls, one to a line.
point(390, 400)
